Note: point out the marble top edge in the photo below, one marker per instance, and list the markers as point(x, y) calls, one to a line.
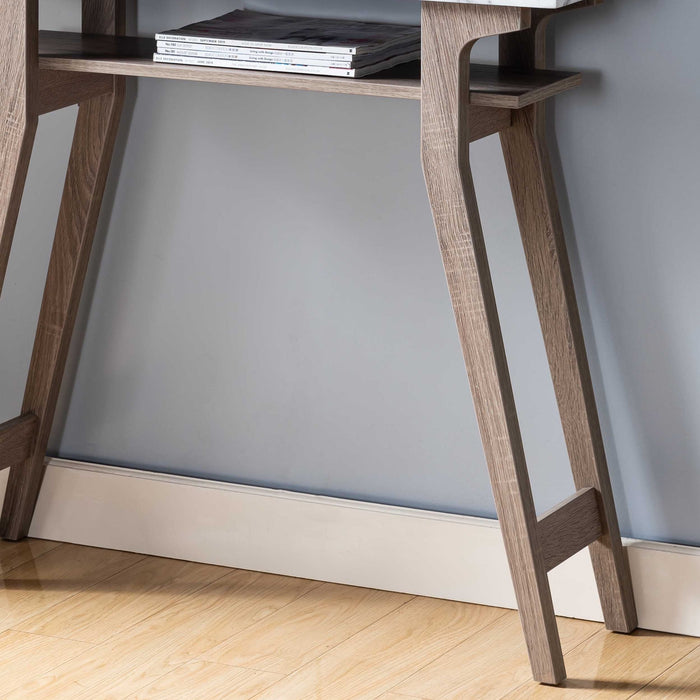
point(539, 4)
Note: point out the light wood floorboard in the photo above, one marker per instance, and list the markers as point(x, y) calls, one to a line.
point(488, 664)
point(306, 628)
point(372, 661)
point(53, 577)
point(682, 680)
point(205, 679)
point(615, 666)
point(23, 655)
point(115, 604)
point(18, 553)
point(78, 622)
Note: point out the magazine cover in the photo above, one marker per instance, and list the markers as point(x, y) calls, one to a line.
point(262, 30)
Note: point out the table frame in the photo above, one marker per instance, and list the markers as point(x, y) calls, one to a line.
point(449, 124)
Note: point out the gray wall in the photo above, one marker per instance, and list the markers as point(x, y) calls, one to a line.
point(271, 309)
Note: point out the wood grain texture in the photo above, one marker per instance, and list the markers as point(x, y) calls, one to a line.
point(613, 666)
point(36, 586)
point(491, 86)
point(17, 440)
point(534, 193)
point(104, 17)
point(486, 121)
point(22, 655)
point(204, 679)
point(117, 603)
point(569, 527)
point(488, 664)
point(18, 118)
point(179, 633)
point(14, 554)
point(59, 89)
point(426, 649)
point(680, 682)
point(496, 86)
point(93, 143)
point(372, 661)
point(449, 32)
point(307, 627)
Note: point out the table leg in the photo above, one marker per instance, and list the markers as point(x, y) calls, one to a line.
point(449, 31)
point(91, 154)
point(528, 163)
point(18, 117)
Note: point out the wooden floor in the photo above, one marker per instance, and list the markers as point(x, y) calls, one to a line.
point(78, 622)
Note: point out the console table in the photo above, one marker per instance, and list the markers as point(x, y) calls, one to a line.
point(44, 71)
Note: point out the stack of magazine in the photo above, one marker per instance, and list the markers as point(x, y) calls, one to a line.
point(261, 41)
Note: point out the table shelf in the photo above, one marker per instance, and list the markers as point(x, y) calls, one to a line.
point(491, 86)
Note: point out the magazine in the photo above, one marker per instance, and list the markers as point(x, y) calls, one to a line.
point(285, 60)
point(246, 28)
point(241, 51)
point(288, 67)
point(309, 58)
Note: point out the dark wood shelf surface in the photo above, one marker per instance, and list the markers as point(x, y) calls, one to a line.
point(491, 86)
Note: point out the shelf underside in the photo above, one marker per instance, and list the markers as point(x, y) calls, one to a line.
point(491, 86)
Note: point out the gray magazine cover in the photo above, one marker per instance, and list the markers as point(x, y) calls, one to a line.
point(262, 30)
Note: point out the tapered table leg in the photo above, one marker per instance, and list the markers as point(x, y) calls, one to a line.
point(528, 163)
point(91, 155)
point(18, 118)
point(449, 30)
point(93, 144)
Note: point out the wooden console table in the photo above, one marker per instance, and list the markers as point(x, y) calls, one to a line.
point(44, 71)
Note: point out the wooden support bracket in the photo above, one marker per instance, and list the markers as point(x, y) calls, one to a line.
point(59, 89)
point(569, 527)
point(486, 121)
point(17, 438)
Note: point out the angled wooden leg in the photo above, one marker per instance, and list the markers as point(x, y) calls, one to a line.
point(449, 30)
point(87, 173)
point(93, 144)
point(530, 172)
point(18, 115)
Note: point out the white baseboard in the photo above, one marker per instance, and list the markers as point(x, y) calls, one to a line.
point(330, 539)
